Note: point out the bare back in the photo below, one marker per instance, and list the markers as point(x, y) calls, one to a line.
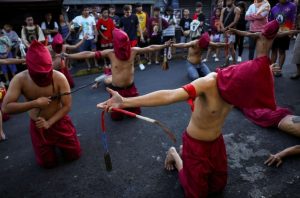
point(194, 53)
point(209, 114)
point(31, 92)
point(122, 71)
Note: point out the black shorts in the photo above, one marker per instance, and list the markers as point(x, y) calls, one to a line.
point(156, 40)
point(282, 43)
point(142, 44)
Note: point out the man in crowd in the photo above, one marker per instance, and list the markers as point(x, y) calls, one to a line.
point(88, 27)
point(50, 127)
point(155, 26)
point(113, 16)
point(285, 13)
point(229, 18)
point(49, 27)
point(185, 26)
point(31, 31)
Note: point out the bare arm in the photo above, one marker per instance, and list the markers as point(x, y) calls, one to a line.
point(245, 33)
point(185, 45)
point(10, 61)
point(77, 45)
point(213, 44)
point(150, 48)
point(287, 33)
point(66, 100)
point(11, 104)
point(157, 98)
point(278, 157)
point(222, 18)
point(86, 54)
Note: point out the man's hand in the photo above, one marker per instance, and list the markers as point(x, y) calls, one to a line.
point(169, 43)
point(41, 123)
point(274, 159)
point(85, 37)
point(42, 102)
point(115, 101)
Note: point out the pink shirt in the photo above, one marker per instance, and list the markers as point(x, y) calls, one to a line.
point(257, 22)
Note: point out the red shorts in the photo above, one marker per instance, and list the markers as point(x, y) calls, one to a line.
point(204, 166)
point(130, 91)
point(61, 135)
point(133, 43)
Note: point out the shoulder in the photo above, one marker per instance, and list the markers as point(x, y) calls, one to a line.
point(21, 77)
point(58, 76)
point(237, 9)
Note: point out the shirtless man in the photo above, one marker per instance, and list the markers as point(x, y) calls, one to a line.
point(195, 67)
point(50, 126)
point(122, 65)
point(57, 47)
point(202, 165)
point(264, 117)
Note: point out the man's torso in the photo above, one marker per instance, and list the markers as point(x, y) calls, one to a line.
point(194, 54)
point(209, 114)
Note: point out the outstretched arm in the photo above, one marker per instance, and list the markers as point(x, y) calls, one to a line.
point(150, 48)
point(278, 157)
point(157, 98)
point(244, 33)
point(213, 44)
point(185, 45)
point(86, 55)
point(77, 45)
point(10, 61)
point(287, 33)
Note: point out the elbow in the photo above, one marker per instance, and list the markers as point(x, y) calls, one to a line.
point(5, 109)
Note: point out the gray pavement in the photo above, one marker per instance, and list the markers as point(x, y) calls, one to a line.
point(138, 148)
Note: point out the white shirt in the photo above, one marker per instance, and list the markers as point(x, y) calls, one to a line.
point(170, 30)
point(43, 27)
point(253, 10)
point(87, 25)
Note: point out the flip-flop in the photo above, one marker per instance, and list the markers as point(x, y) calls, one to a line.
point(3, 139)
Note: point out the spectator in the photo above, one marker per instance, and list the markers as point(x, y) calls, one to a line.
point(64, 27)
point(130, 24)
point(143, 18)
point(296, 58)
point(241, 25)
point(229, 18)
point(49, 27)
point(169, 32)
point(155, 26)
point(285, 13)
point(185, 26)
point(5, 52)
point(105, 27)
point(257, 19)
point(95, 13)
point(31, 31)
point(113, 16)
point(219, 4)
point(215, 35)
point(14, 38)
point(199, 15)
point(88, 27)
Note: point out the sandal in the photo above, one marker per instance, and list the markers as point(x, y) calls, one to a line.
point(295, 76)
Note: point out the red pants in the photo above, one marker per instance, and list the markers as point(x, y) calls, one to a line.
point(204, 166)
point(61, 135)
point(130, 91)
point(67, 74)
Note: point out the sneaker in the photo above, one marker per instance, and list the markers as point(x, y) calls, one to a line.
point(239, 59)
point(149, 63)
point(204, 60)
point(216, 59)
point(157, 62)
point(214, 56)
point(142, 67)
point(230, 58)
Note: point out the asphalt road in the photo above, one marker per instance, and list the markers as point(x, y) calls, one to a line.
point(138, 148)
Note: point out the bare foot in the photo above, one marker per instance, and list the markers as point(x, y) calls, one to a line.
point(2, 136)
point(170, 161)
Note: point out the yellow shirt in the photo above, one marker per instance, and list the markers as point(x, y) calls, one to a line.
point(142, 21)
